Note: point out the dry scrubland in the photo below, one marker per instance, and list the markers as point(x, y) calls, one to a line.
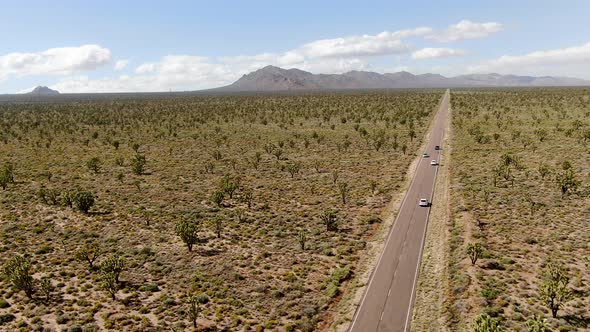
point(520, 188)
point(248, 180)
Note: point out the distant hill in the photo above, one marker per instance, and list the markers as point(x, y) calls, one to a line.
point(43, 91)
point(272, 78)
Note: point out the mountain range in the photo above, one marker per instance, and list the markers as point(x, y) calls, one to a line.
point(271, 78)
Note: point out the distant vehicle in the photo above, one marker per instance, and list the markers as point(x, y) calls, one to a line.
point(434, 163)
point(423, 202)
point(437, 147)
point(425, 155)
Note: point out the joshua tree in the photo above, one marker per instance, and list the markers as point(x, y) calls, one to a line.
point(335, 175)
point(138, 164)
point(83, 200)
point(329, 219)
point(474, 250)
point(302, 238)
point(412, 134)
point(379, 139)
point(94, 164)
point(109, 283)
point(537, 324)
point(544, 170)
point(554, 291)
point(218, 222)
point(229, 184)
point(567, 181)
point(343, 189)
point(188, 232)
point(485, 323)
point(247, 197)
point(373, 185)
point(88, 253)
point(113, 265)
point(4, 179)
point(46, 288)
point(217, 197)
point(17, 271)
point(6, 175)
point(67, 198)
point(193, 309)
point(255, 161)
point(293, 168)
point(278, 153)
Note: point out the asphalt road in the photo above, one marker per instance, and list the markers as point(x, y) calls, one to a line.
point(389, 297)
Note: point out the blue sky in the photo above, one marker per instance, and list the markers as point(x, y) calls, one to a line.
point(102, 46)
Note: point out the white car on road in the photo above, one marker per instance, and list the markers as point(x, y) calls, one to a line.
point(434, 163)
point(425, 155)
point(423, 202)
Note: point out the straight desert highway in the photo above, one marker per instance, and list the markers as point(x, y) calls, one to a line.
point(387, 302)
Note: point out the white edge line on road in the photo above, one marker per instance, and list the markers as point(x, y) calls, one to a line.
point(395, 223)
point(410, 305)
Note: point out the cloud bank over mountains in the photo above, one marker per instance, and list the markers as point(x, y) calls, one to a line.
point(75, 67)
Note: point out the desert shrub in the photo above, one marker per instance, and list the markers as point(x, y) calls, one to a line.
point(6, 318)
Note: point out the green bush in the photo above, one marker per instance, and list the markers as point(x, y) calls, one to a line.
point(83, 200)
point(138, 164)
point(6, 318)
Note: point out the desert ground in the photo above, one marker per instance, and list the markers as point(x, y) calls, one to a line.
point(519, 211)
point(276, 196)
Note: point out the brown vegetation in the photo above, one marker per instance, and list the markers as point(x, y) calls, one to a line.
point(236, 212)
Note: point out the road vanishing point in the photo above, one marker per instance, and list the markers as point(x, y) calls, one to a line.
point(389, 297)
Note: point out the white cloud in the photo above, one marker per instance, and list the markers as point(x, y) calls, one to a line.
point(121, 64)
point(188, 72)
point(385, 42)
point(430, 52)
point(192, 72)
point(183, 72)
point(54, 61)
point(571, 61)
point(466, 30)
